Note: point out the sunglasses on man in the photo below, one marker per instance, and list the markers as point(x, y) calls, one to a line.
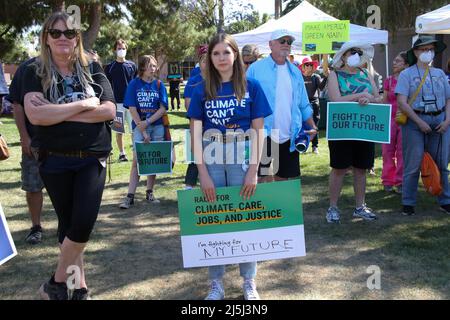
point(249, 62)
point(358, 51)
point(283, 41)
point(56, 33)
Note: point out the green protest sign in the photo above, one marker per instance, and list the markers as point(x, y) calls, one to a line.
point(324, 36)
point(187, 146)
point(352, 121)
point(154, 157)
point(233, 230)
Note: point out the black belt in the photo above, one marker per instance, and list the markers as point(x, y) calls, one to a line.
point(77, 154)
point(433, 113)
point(226, 138)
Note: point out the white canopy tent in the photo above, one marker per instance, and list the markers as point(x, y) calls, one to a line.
point(306, 12)
point(437, 21)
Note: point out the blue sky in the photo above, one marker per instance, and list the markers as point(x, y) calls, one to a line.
point(263, 6)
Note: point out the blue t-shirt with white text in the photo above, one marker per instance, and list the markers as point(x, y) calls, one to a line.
point(226, 112)
point(191, 84)
point(146, 98)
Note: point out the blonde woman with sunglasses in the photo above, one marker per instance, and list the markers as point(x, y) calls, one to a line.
point(71, 104)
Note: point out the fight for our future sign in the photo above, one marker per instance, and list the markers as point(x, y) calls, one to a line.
point(352, 121)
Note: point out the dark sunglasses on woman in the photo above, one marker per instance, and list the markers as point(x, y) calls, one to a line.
point(283, 41)
point(358, 51)
point(56, 33)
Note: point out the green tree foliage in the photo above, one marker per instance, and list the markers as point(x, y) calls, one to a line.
point(17, 16)
point(161, 29)
point(394, 14)
point(246, 23)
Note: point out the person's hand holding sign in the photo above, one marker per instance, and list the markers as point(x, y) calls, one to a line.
point(250, 181)
point(365, 98)
point(146, 137)
point(117, 124)
point(208, 187)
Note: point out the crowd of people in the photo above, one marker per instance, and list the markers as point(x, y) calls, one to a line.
point(65, 103)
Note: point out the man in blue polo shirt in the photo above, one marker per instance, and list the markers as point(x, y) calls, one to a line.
point(283, 85)
point(120, 72)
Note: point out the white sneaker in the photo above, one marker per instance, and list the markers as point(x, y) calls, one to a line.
point(216, 292)
point(250, 292)
point(126, 203)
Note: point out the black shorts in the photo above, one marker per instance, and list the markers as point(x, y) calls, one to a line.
point(351, 153)
point(286, 163)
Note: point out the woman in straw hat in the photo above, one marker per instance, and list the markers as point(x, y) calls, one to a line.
point(349, 82)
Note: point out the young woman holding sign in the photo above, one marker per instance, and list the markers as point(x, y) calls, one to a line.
point(349, 82)
point(146, 98)
point(224, 106)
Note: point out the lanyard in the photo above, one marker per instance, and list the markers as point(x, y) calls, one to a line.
point(431, 79)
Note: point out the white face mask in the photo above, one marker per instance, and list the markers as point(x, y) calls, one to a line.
point(426, 57)
point(121, 53)
point(354, 60)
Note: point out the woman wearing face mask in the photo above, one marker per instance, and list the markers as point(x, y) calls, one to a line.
point(428, 119)
point(349, 82)
point(392, 153)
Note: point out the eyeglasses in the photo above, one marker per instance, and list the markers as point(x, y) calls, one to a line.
point(424, 49)
point(358, 51)
point(249, 62)
point(308, 64)
point(56, 34)
point(283, 41)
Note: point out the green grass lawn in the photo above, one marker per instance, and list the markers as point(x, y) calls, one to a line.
point(136, 253)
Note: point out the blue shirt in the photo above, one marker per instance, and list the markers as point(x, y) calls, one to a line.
point(3, 86)
point(265, 71)
point(146, 98)
point(194, 72)
point(435, 87)
point(191, 84)
point(226, 112)
point(120, 75)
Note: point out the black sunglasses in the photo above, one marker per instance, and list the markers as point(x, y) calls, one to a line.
point(283, 41)
point(308, 64)
point(358, 51)
point(249, 62)
point(56, 33)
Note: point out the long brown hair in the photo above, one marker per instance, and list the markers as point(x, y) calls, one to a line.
point(45, 65)
point(143, 63)
point(213, 80)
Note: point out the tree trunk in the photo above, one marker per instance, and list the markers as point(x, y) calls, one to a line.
point(221, 18)
point(59, 5)
point(277, 8)
point(94, 20)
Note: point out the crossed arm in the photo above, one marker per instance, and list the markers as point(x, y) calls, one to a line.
point(42, 112)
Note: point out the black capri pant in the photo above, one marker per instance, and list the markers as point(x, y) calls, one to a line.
point(75, 187)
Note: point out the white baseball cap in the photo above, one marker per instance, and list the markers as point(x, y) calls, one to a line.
point(280, 33)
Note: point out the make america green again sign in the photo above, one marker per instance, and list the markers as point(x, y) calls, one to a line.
point(268, 226)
